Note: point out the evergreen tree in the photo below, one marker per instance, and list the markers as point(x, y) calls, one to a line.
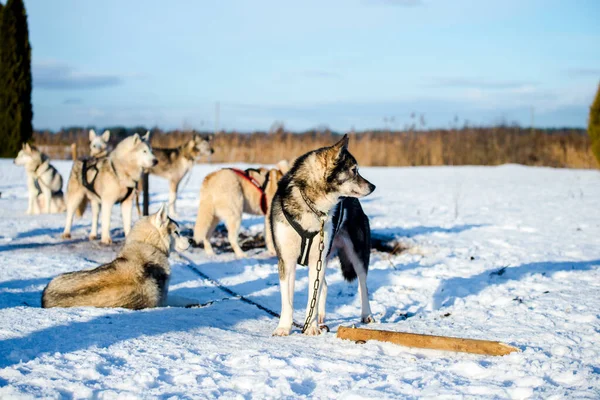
point(15, 79)
point(594, 125)
point(2, 135)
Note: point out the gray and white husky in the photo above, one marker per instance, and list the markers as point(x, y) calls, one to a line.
point(138, 278)
point(174, 164)
point(107, 181)
point(99, 144)
point(44, 183)
point(308, 198)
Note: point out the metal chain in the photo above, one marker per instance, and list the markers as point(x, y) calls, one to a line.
point(313, 301)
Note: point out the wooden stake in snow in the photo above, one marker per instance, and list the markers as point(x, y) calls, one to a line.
point(446, 343)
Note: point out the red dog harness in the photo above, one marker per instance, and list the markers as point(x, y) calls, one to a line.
point(261, 189)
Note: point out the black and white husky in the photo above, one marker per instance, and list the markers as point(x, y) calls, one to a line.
point(320, 190)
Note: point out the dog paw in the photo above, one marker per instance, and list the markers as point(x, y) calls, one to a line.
point(93, 237)
point(312, 330)
point(66, 236)
point(281, 331)
point(321, 319)
point(368, 319)
point(106, 241)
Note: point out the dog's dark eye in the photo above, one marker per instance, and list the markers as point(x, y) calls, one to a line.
point(355, 171)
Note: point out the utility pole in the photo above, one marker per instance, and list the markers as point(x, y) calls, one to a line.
point(217, 110)
point(532, 117)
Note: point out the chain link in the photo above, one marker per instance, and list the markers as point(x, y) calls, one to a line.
point(313, 301)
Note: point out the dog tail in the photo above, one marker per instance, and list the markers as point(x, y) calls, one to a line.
point(81, 288)
point(356, 254)
point(348, 270)
point(81, 207)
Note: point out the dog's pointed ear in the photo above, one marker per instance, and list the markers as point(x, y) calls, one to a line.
point(27, 147)
point(340, 146)
point(92, 134)
point(146, 137)
point(161, 217)
point(106, 136)
point(136, 139)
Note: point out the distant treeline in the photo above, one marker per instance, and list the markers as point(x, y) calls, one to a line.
point(564, 148)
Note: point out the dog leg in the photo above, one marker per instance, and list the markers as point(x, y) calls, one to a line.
point(206, 239)
point(31, 190)
point(233, 230)
point(126, 211)
point(206, 222)
point(106, 211)
point(36, 204)
point(313, 328)
point(73, 201)
point(287, 280)
point(363, 292)
point(322, 300)
point(137, 191)
point(268, 235)
point(95, 217)
point(47, 199)
point(32, 199)
point(173, 186)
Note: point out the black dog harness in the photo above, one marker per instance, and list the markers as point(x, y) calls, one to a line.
point(92, 163)
point(36, 180)
point(308, 236)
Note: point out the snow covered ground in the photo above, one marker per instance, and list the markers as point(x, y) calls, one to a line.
point(507, 253)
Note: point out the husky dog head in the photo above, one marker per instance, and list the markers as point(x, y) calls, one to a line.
point(134, 151)
point(99, 143)
point(198, 146)
point(325, 175)
point(341, 172)
point(30, 157)
point(159, 231)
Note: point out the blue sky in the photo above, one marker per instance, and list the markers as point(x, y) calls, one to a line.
point(343, 64)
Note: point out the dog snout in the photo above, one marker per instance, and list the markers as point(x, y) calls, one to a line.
point(371, 187)
point(212, 151)
point(154, 162)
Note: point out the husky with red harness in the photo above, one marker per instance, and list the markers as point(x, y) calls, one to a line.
point(228, 193)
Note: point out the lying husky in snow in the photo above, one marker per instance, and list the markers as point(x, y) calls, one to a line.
point(107, 181)
point(308, 200)
point(228, 193)
point(44, 183)
point(99, 144)
point(138, 278)
point(174, 164)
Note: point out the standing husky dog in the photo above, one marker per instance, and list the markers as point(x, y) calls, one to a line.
point(300, 211)
point(137, 278)
point(227, 194)
point(174, 164)
point(107, 181)
point(43, 181)
point(99, 144)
